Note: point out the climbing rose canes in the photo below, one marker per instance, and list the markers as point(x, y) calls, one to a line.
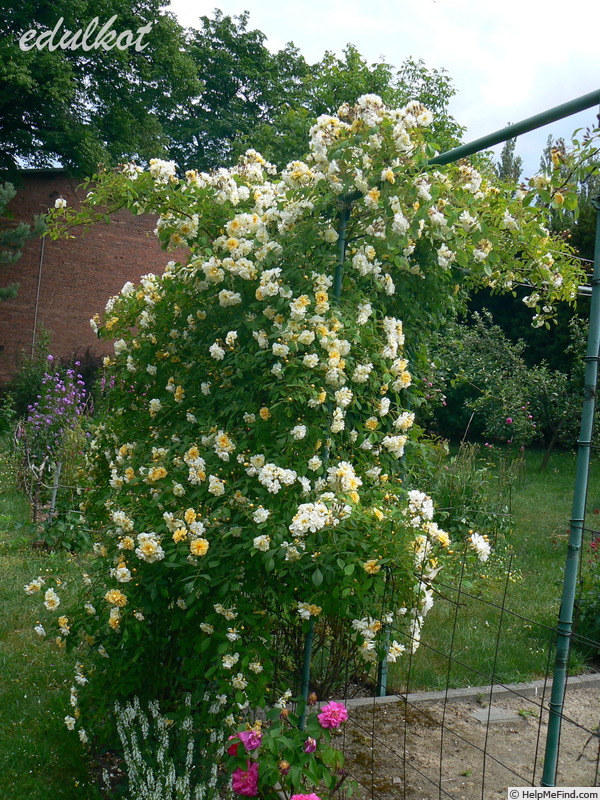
point(252, 439)
point(332, 715)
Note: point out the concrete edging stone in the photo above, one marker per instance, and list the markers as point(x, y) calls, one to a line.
point(477, 693)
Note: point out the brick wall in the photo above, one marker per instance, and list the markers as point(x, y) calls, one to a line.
point(62, 284)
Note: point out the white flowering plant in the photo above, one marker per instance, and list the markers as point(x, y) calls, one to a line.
point(248, 472)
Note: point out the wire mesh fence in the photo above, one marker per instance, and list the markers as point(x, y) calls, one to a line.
point(476, 741)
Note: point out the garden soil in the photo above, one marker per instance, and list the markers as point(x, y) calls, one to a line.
point(394, 749)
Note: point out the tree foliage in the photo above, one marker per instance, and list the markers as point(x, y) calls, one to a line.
point(510, 165)
point(85, 108)
point(14, 236)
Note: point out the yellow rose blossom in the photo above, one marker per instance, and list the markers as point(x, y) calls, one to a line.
point(354, 496)
point(378, 514)
point(157, 473)
point(190, 516)
point(114, 619)
point(264, 413)
point(116, 598)
point(373, 195)
point(179, 535)
point(179, 394)
point(127, 543)
point(443, 538)
point(372, 567)
point(192, 454)
point(372, 424)
point(130, 473)
point(199, 547)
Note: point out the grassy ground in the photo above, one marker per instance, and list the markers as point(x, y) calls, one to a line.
point(41, 760)
point(524, 574)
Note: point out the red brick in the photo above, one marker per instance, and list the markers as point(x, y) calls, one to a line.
point(74, 277)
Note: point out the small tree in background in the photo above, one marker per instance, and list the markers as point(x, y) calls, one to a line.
point(13, 238)
point(510, 166)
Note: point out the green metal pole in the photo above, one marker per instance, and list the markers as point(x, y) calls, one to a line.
point(343, 219)
point(305, 678)
point(565, 622)
point(526, 125)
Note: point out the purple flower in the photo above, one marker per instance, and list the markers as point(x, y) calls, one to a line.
point(310, 745)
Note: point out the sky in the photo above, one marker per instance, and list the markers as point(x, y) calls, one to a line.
point(508, 60)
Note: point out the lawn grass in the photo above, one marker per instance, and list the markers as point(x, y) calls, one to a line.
point(524, 574)
point(39, 758)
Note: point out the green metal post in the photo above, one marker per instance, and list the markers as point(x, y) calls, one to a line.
point(305, 678)
point(382, 668)
point(565, 622)
point(343, 219)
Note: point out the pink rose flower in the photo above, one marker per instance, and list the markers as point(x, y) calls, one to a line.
point(250, 739)
point(310, 745)
point(245, 782)
point(332, 715)
point(311, 796)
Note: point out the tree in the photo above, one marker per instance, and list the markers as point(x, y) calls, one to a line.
point(242, 85)
point(201, 97)
point(84, 108)
point(13, 238)
point(510, 166)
